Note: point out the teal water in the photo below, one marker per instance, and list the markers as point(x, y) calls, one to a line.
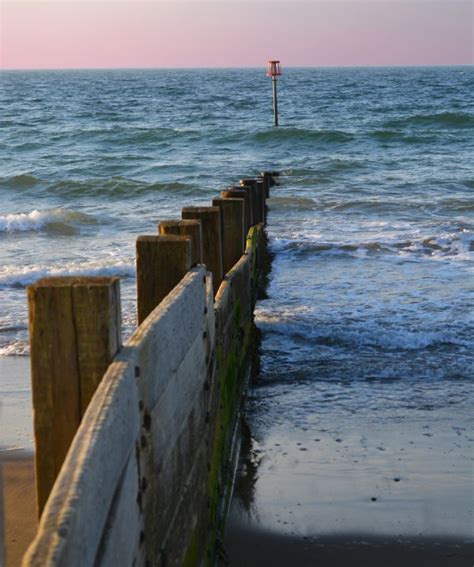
point(372, 224)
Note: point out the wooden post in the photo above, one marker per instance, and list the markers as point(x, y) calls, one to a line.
point(190, 228)
point(266, 193)
point(266, 185)
point(232, 223)
point(75, 331)
point(238, 192)
point(261, 198)
point(3, 518)
point(250, 185)
point(162, 262)
point(210, 218)
point(270, 182)
point(251, 206)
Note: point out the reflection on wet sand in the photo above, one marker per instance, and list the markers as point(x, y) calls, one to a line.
point(354, 491)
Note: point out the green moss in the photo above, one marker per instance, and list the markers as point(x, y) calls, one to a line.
point(191, 556)
point(231, 374)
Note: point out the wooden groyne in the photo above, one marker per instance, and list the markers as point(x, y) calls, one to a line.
point(135, 442)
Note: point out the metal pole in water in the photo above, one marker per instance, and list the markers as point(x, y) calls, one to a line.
point(275, 101)
point(274, 71)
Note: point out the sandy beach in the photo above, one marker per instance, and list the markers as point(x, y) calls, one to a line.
point(17, 505)
point(17, 491)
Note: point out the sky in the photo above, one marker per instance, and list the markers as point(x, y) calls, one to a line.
point(54, 34)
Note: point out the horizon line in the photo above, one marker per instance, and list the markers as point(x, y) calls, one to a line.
point(220, 67)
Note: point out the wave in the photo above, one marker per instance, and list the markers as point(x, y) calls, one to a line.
point(122, 135)
point(397, 136)
point(20, 277)
point(57, 221)
point(15, 348)
point(304, 135)
point(119, 187)
point(19, 181)
point(443, 119)
point(366, 334)
point(458, 245)
point(458, 204)
point(298, 203)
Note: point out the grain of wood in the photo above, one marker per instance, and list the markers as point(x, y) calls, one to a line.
point(237, 192)
point(211, 239)
point(162, 261)
point(266, 176)
point(190, 228)
point(232, 219)
point(74, 328)
point(261, 199)
point(249, 186)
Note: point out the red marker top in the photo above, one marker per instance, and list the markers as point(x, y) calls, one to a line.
point(273, 69)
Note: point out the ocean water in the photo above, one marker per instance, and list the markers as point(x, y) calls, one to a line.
point(370, 307)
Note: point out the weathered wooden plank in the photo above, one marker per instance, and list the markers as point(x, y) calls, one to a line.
point(74, 517)
point(190, 508)
point(163, 340)
point(236, 288)
point(74, 334)
point(121, 542)
point(163, 385)
point(171, 442)
point(168, 466)
point(162, 261)
point(178, 400)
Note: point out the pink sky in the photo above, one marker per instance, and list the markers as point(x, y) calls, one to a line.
point(134, 33)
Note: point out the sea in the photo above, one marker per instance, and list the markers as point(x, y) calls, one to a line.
point(369, 321)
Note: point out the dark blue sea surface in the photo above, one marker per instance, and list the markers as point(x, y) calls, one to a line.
point(370, 304)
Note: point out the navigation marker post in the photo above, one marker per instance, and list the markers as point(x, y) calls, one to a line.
point(274, 71)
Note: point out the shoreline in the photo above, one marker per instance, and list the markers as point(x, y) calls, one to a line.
point(16, 413)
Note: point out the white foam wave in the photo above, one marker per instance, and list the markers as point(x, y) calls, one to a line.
point(356, 334)
point(15, 276)
point(457, 245)
point(42, 220)
point(15, 348)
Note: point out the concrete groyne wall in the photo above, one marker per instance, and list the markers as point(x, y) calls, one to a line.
point(148, 473)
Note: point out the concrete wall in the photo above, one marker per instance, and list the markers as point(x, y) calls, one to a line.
point(146, 478)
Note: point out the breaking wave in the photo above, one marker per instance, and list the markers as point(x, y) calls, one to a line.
point(19, 277)
point(61, 221)
point(354, 335)
point(456, 245)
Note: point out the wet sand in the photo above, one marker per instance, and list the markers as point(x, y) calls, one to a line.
point(355, 492)
point(254, 548)
point(17, 505)
point(16, 415)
